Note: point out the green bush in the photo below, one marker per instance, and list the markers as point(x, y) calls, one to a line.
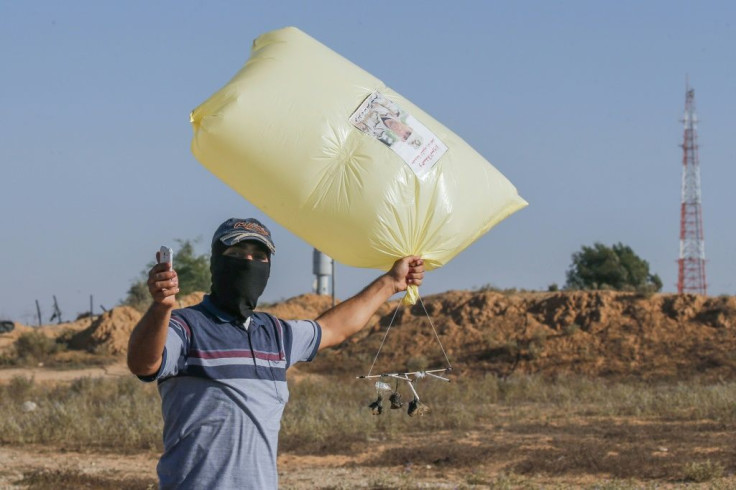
point(192, 269)
point(616, 267)
point(19, 387)
point(704, 471)
point(35, 347)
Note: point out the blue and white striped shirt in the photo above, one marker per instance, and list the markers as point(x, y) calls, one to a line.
point(223, 390)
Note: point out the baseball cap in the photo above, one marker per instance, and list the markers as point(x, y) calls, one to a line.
point(236, 230)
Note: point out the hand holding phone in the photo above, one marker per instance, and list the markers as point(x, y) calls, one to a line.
point(166, 255)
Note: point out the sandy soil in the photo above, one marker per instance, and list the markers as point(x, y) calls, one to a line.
point(598, 334)
point(42, 374)
point(358, 470)
point(295, 472)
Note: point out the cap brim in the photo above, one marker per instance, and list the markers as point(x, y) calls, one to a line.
point(232, 238)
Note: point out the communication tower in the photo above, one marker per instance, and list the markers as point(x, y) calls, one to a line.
point(691, 264)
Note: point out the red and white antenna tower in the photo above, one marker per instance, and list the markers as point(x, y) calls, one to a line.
point(691, 265)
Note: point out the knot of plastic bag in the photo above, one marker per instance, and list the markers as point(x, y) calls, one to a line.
point(411, 296)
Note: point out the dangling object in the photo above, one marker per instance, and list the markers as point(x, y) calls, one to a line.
point(417, 408)
point(377, 406)
point(332, 154)
point(395, 400)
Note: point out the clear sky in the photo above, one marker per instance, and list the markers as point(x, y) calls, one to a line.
point(576, 102)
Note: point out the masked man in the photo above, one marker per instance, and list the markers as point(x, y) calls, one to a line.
point(221, 366)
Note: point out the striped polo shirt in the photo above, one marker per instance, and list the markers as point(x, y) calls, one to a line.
point(223, 390)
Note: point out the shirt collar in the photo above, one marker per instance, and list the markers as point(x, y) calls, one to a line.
point(221, 315)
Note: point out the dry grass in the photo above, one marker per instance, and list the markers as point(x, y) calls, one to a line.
point(37, 349)
point(566, 427)
point(491, 432)
point(318, 409)
point(115, 415)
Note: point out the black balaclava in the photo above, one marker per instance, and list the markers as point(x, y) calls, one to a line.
point(237, 283)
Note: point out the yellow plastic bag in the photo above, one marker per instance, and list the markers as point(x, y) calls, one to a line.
point(344, 162)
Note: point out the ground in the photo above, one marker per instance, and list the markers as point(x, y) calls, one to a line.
point(600, 335)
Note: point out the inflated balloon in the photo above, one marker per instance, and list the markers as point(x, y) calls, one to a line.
point(332, 154)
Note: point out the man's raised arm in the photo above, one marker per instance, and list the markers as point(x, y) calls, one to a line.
point(350, 316)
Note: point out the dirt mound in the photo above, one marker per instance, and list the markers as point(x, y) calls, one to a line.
point(599, 333)
point(109, 333)
point(592, 333)
point(304, 307)
point(8, 338)
point(190, 299)
point(53, 331)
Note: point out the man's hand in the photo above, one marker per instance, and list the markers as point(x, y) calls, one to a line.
point(406, 272)
point(163, 284)
point(148, 338)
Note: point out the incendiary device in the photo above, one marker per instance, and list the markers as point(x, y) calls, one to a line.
point(416, 406)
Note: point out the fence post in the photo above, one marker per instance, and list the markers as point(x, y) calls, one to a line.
point(38, 311)
point(57, 311)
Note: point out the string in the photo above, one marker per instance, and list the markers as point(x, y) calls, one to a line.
point(384, 338)
point(435, 333)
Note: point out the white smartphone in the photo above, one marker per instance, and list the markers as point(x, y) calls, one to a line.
point(166, 255)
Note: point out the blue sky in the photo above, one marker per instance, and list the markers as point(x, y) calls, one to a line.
point(576, 102)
